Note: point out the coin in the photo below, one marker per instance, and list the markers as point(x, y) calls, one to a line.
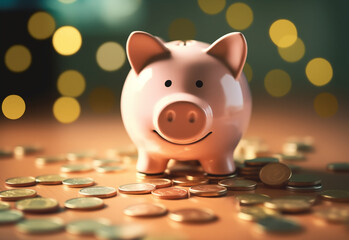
point(145, 210)
point(292, 156)
point(37, 205)
point(70, 168)
point(10, 216)
point(84, 203)
point(26, 149)
point(17, 194)
point(98, 191)
point(252, 198)
point(136, 188)
point(108, 169)
point(335, 195)
point(304, 180)
point(310, 199)
point(129, 231)
point(275, 174)
point(255, 213)
point(86, 226)
point(159, 182)
point(146, 176)
point(260, 161)
point(4, 206)
point(192, 215)
point(278, 225)
point(78, 182)
point(20, 181)
point(41, 225)
point(105, 162)
point(170, 193)
point(49, 160)
point(238, 184)
point(5, 153)
point(338, 167)
point(217, 178)
point(208, 190)
point(305, 189)
point(183, 181)
point(334, 214)
point(288, 205)
point(51, 179)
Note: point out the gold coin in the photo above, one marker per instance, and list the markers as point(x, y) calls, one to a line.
point(84, 203)
point(334, 214)
point(105, 162)
point(183, 181)
point(208, 190)
point(108, 169)
point(20, 181)
point(136, 188)
point(170, 193)
point(288, 205)
point(217, 178)
point(86, 226)
point(49, 160)
point(71, 168)
point(255, 213)
point(10, 216)
point(193, 215)
point(124, 231)
point(78, 182)
point(98, 191)
point(4, 206)
point(17, 194)
point(51, 179)
point(338, 167)
point(252, 198)
point(238, 184)
point(145, 210)
point(159, 182)
point(304, 180)
point(260, 161)
point(335, 195)
point(275, 174)
point(41, 225)
point(37, 205)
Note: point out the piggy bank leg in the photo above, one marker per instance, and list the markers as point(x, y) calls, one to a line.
point(150, 165)
point(218, 166)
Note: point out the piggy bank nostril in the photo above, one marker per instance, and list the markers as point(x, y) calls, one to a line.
point(192, 117)
point(170, 116)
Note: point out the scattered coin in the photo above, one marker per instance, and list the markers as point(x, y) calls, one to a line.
point(159, 182)
point(334, 195)
point(4, 206)
point(192, 215)
point(136, 188)
point(26, 149)
point(310, 199)
point(292, 156)
point(98, 191)
point(208, 190)
point(217, 178)
point(20, 181)
point(17, 194)
point(108, 169)
point(305, 189)
point(49, 160)
point(338, 167)
point(145, 210)
point(84, 203)
point(86, 226)
point(252, 198)
point(260, 161)
point(41, 225)
point(278, 225)
point(72, 168)
point(275, 174)
point(78, 182)
point(288, 205)
point(105, 162)
point(5, 153)
point(51, 179)
point(170, 193)
point(37, 205)
point(183, 181)
point(334, 214)
point(303, 180)
point(238, 184)
point(10, 216)
point(146, 176)
point(255, 213)
point(129, 231)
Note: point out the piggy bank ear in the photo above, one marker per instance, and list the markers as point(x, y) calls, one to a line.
point(232, 50)
point(142, 48)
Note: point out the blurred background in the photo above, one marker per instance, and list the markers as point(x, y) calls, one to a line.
point(62, 60)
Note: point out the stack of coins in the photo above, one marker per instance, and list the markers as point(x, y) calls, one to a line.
point(250, 169)
point(304, 183)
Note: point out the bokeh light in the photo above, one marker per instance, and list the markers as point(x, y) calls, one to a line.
point(13, 107)
point(110, 56)
point(293, 53)
point(41, 25)
point(18, 58)
point(325, 104)
point(211, 6)
point(319, 71)
point(67, 40)
point(283, 33)
point(248, 71)
point(66, 109)
point(102, 100)
point(277, 82)
point(71, 83)
point(239, 16)
point(182, 29)
point(67, 1)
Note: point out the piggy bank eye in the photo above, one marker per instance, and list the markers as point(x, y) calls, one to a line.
point(199, 83)
point(168, 83)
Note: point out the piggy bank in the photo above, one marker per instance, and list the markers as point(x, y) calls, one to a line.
point(186, 100)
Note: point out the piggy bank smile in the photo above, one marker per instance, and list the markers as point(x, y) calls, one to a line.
point(182, 143)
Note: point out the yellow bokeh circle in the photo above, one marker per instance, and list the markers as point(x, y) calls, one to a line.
point(110, 56)
point(41, 25)
point(71, 83)
point(248, 71)
point(66, 109)
point(293, 53)
point(18, 58)
point(239, 16)
point(319, 71)
point(211, 6)
point(182, 29)
point(277, 82)
point(67, 40)
point(325, 104)
point(102, 100)
point(283, 33)
point(13, 107)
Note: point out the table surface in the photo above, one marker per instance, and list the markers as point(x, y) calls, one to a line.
point(273, 125)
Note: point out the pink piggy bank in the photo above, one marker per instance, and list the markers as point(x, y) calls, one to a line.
point(186, 101)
